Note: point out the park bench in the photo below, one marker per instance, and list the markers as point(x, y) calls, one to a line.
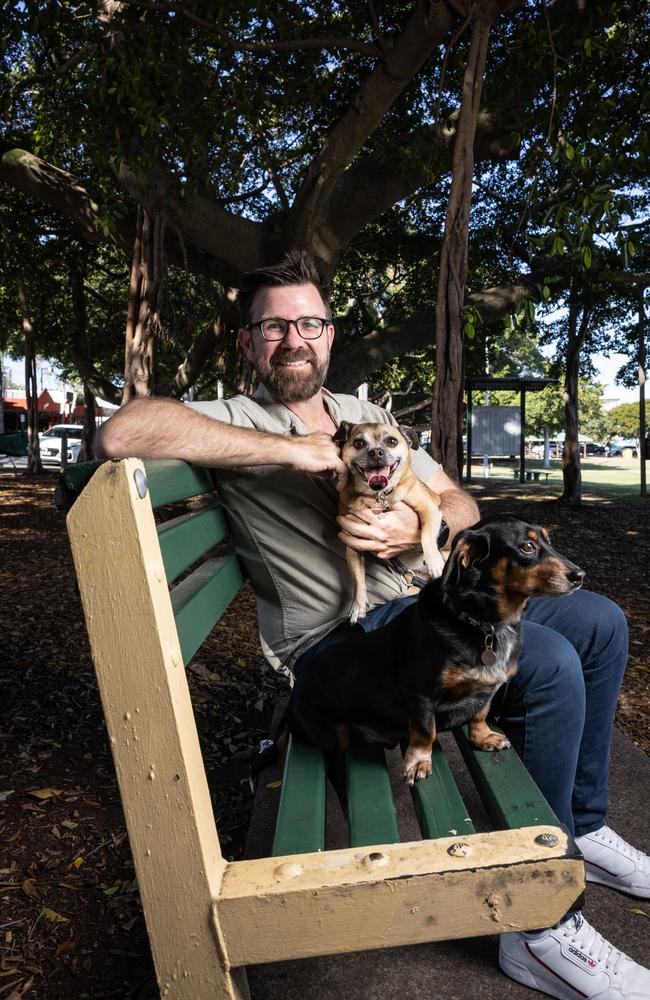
point(532, 475)
point(13, 446)
point(149, 602)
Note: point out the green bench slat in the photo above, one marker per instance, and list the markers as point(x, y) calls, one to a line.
point(438, 805)
point(200, 600)
point(300, 826)
point(185, 539)
point(170, 481)
point(509, 794)
point(371, 811)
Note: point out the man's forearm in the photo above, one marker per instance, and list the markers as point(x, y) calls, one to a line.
point(459, 510)
point(163, 428)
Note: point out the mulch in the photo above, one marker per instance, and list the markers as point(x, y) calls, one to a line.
point(71, 920)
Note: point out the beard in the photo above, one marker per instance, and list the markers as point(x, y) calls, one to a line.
point(292, 385)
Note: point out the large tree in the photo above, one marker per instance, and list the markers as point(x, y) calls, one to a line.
point(267, 126)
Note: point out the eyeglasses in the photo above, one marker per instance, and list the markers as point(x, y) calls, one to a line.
point(276, 328)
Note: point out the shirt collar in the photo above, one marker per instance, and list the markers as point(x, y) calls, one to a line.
point(283, 414)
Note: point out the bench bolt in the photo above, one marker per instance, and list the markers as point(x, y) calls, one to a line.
point(140, 483)
point(546, 840)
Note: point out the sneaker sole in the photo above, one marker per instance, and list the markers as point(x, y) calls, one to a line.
point(522, 974)
point(612, 882)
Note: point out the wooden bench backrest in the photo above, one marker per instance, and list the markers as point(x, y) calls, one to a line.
point(207, 917)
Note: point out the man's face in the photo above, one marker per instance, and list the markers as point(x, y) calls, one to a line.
point(292, 369)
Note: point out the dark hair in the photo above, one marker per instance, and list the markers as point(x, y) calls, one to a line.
point(297, 267)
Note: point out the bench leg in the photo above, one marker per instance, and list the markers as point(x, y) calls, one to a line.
point(151, 727)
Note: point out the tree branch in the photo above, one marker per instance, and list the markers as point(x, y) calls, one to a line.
point(425, 29)
point(232, 44)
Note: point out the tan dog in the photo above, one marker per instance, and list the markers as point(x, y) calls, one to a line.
point(378, 458)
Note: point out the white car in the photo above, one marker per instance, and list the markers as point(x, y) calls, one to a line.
point(50, 442)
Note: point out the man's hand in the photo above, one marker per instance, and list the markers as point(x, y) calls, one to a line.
point(383, 535)
point(317, 453)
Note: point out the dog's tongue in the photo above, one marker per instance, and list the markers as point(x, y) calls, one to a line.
point(377, 479)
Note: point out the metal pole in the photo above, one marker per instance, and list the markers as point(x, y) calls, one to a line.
point(469, 432)
point(522, 446)
point(642, 431)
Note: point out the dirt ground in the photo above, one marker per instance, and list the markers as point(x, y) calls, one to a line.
point(70, 917)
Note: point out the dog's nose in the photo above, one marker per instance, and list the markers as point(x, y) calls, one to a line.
point(576, 576)
point(376, 453)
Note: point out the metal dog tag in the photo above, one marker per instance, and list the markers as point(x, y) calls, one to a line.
point(488, 657)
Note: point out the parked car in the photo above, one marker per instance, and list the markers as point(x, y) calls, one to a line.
point(595, 449)
point(50, 442)
point(623, 449)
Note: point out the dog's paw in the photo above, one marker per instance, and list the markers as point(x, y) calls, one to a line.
point(416, 767)
point(435, 564)
point(491, 741)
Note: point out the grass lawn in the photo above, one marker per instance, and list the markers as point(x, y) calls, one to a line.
point(615, 477)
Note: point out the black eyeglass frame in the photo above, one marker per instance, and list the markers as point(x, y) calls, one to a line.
point(289, 322)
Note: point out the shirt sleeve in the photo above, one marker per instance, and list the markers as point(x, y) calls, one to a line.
point(221, 409)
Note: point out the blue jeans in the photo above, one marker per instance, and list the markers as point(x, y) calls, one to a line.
point(558, 710)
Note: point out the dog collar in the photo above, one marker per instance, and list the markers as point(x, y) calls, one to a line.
point(488, 656)
point(380, 499)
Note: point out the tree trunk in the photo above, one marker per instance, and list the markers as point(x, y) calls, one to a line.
point(143, 319)
point(80, 341)
point(34, 463)
point(571, 473)
point(447, 410)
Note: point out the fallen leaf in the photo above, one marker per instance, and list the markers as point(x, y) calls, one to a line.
point(65, 946)
point(5, 795)
point(29, 888)
point(52, 915)
point(78, 862)
point(274, 784)
point(113, 889)
point(640, 913)
point(57, 833)
point(45, 793)
point(69, 824)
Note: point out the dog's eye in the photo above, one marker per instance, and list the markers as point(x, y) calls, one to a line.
point(528, 547)
point(359, 443)
point(392, 442)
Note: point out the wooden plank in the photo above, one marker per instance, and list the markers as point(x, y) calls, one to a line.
point(200, 600)
point(509, 794)
point(300, 826)
point(171, 481)
point(372, 817)
point(152, 732)
point(438, 804)
point(185, 539)
point(393, 894)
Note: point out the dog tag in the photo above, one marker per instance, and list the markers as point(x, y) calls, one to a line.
point(488, 657)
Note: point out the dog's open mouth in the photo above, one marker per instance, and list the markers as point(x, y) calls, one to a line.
point(378, 477)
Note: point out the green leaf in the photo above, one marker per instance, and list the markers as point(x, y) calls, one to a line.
point(569, 151)
point(586, 257)
point(587, 46)
point(631, 248)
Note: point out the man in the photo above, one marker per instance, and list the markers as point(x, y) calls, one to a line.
point(276, 464)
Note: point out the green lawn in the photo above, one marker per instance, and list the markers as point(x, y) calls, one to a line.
point(616, 477)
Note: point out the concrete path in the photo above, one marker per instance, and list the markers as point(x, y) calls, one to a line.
point(463, 970)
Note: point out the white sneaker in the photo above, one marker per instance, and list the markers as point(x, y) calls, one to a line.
point(573, 960)
point(610, 861)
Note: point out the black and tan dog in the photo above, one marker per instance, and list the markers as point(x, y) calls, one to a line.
point(439, 663)
point(378, 459)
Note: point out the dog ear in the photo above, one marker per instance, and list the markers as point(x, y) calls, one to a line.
point(343, 432)
point(469, 547)
point(410, 435)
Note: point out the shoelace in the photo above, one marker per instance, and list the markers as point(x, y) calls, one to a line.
point(608, 836)
point(594, 944)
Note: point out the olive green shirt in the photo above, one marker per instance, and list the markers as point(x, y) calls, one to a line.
point(284, 527)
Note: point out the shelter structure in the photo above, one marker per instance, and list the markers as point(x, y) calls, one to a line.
point(489, 383)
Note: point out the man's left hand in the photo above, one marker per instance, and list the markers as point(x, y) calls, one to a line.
point(385, 535)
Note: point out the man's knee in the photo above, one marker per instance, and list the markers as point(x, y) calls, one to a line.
point(550, 675)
